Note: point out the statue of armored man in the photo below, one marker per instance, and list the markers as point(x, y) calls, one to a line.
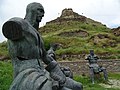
point(27, 51)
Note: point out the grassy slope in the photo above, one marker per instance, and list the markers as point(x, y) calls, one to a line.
point(76, 44)
point(81, 45)
point(3, 49)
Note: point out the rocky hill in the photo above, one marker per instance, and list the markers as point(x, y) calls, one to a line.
point(78, 34)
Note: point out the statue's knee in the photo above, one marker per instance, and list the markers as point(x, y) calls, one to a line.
point(103, 68)
point(78, 86)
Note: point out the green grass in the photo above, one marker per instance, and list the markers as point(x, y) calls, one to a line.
point(87, 85)
point(6, 77)
point(114, 76)
point(3, 49)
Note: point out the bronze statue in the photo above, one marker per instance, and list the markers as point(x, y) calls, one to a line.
point(94, 67)
point(27, 51)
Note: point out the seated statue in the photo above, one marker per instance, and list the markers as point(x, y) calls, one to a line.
point(94, 67)
point(27, 51)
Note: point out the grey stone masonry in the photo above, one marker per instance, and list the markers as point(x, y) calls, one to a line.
point(82, 68)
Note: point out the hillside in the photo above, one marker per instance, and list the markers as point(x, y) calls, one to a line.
point(77, 34)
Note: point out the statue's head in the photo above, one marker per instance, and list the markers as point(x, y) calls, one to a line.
point(34, 12)
point(92, 52)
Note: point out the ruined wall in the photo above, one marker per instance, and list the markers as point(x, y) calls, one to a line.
point(81, 67)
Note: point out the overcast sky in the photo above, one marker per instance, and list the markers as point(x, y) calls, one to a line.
point(104, 11)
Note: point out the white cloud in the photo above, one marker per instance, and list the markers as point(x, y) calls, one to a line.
point(105, 11)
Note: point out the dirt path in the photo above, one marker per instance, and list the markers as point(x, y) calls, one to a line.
point(113, 83)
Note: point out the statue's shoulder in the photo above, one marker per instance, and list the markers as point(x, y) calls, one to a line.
point(15, 19)
point(12, 29)
point(96, 55)
point(19, 21)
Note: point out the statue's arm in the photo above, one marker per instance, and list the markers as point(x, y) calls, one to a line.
point(46, 58)
point(96, 57)
point(53, 68)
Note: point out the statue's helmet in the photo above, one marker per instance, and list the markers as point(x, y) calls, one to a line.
point(92, 52)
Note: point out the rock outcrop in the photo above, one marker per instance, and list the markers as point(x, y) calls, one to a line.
point(67, 15)
point(116, 31)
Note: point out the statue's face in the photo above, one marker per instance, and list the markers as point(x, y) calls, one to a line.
point(35, 11)
point(39, 14)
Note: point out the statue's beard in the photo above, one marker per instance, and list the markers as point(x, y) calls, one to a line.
point(38, 19)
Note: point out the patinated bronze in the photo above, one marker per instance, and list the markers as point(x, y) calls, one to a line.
point(94, 67)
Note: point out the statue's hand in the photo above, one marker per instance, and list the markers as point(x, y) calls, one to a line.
point(51, 54)
point(56, 73)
